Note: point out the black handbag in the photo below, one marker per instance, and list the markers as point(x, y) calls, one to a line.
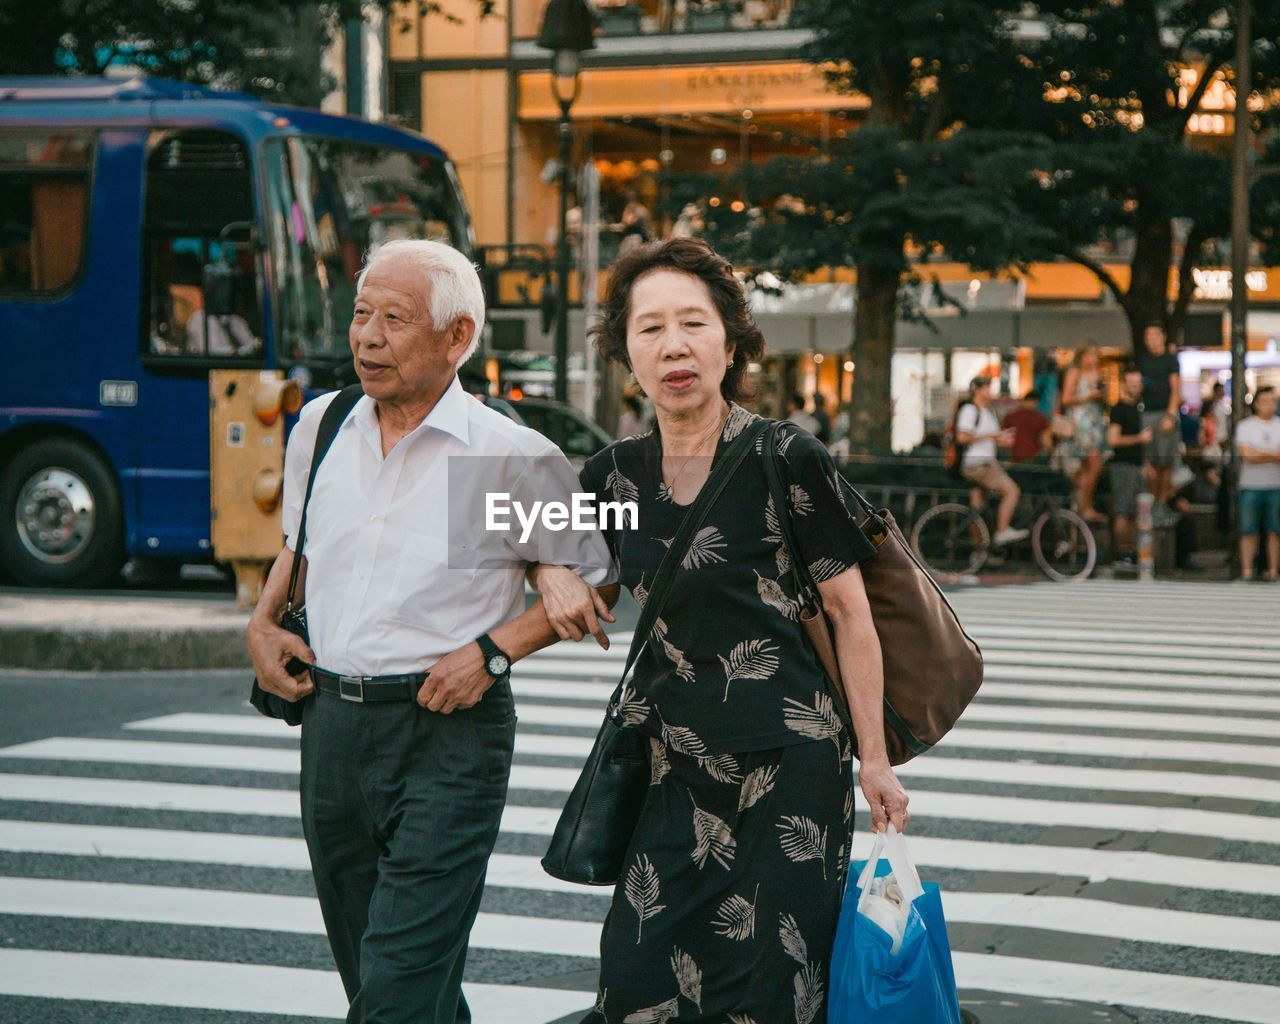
point(595, 827)
point(295, 619)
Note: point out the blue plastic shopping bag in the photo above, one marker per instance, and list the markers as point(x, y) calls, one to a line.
point(891, 961)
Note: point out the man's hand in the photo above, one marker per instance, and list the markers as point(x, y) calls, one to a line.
point(1145, 436)
point(270, 648)
point(458, 680)
point(573, 607)
point(885, 796)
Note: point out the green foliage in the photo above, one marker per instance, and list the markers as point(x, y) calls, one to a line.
point(270, 48)
point(1103, 89)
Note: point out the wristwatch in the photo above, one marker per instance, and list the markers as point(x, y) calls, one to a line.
point(496, 661)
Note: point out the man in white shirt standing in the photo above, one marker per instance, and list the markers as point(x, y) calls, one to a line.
point(416, 612)
point(978, 432)
point(1259, 441)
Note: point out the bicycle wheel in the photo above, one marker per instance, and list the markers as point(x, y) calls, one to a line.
point(1063, 545)
point(951, 540)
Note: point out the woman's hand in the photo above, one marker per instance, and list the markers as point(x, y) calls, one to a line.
point(885, 796)
point(574, 608)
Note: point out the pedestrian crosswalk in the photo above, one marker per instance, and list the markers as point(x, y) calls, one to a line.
point(1104, 823)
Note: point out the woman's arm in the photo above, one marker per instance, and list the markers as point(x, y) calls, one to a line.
point(1069, 383)
point(858, 655)
point(573, 607)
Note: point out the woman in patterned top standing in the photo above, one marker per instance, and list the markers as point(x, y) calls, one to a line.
point(732, 883)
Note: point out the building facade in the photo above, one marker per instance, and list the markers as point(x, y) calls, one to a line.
point(695, 86)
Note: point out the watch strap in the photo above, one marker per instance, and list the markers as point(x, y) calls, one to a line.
point(488, 648)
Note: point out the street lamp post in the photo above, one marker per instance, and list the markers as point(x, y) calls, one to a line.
point(568, 28)
point(1241, 145)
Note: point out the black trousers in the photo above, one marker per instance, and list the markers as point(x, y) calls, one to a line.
point(400, 809)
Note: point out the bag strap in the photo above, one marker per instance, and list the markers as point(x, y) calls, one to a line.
point(330, 421)
point(805, 587)
point(892, 845)
point(730, 461)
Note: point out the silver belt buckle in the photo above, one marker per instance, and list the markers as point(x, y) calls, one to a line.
point(351, 688)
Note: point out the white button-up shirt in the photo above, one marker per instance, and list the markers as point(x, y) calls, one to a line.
point(401, 569)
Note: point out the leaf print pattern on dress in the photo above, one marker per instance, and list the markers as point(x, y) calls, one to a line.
point(634, 709)
point(772, 594)
point(826, 569)
point(622, 486)
point(736, 917)
point(658, 763)
point(712, 839)
point(757, 786)
point(643, 890)
point(640, 592)
point(820, 722)
point(808, 993)
point(659, 1014)
point(688, 976)
point(792, 941)
point(803, 840)
point(741, 1018)
point(704, 549)
point(801, 504)
point(684, 669)
point(750, 659)
point(736, 422)
point(721, 767)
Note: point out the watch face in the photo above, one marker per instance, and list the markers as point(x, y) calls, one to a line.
point(498, 665)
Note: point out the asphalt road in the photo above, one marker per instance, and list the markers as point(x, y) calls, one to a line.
point(1104, 825)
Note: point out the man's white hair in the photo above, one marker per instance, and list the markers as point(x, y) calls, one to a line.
point(455, 286)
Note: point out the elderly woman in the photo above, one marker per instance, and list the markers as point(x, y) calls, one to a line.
point(733, 879)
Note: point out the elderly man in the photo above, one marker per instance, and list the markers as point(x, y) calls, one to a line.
point(416, 612)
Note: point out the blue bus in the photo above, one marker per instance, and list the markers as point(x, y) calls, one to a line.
point(151, 231)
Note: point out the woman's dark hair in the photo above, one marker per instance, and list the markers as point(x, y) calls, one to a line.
point(690, 256)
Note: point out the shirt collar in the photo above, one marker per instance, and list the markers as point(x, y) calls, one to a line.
point(450, 414)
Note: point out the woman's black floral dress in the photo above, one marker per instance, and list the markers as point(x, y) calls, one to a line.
point(728, 903)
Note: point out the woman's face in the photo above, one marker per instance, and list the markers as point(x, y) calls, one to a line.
point(676, 341)
point(1089, 361)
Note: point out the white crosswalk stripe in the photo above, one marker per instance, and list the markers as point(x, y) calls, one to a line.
point(1116, 786)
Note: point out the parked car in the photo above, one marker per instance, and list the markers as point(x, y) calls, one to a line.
point(570, 430)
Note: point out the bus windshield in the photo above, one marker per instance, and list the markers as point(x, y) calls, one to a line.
point(328, 203)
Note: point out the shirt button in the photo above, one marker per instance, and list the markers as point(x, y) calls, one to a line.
point(373, 519)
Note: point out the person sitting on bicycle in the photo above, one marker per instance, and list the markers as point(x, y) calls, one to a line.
point(978, 433)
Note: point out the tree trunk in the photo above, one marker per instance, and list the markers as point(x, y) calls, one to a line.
point(874, 324)
point(1149, 277)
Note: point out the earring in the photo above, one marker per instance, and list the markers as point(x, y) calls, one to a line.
point(730, 366)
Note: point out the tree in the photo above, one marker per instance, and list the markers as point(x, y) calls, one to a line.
point(270, 48)
point(907, 182)
point(1113, 92)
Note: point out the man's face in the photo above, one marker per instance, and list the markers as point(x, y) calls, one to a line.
point(1133, 385)
point(399, 355)
point(1265, 405)
point(1155, 340)
point(982, 395)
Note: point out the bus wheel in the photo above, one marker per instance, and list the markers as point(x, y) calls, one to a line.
point(61, 523)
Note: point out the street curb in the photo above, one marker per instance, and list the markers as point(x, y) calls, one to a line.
point(57, 648)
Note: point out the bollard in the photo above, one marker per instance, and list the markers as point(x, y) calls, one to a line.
point(1146, 537)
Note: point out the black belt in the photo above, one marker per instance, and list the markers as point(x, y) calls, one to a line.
point(368, 689)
